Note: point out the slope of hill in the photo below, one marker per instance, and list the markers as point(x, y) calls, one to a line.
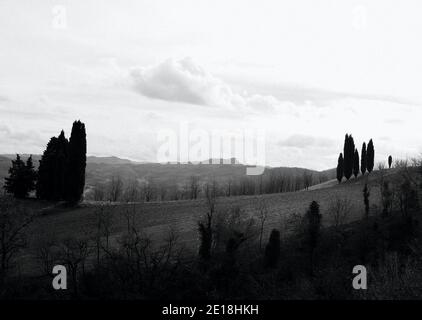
point(156, 219)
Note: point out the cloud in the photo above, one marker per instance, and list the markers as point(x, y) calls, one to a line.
point(186, 81)
point(305, 141)
point(15, 140)
point(4, 99)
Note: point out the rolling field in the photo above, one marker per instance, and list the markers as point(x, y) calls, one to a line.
point(157, 219)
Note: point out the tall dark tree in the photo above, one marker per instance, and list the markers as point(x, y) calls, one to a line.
point(76, 163)
point(340, 168)
point(21, 179)
point(356, 164)
point(390, 161)
point(370, 156)
point(348, 154)
point(363, 159)
point(313, 226)
point(30, 174)
point(272, 250)
point(51, 184)
point(366, 200)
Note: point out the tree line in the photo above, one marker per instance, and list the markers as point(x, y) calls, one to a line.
point(118, 189)
point(61, 171)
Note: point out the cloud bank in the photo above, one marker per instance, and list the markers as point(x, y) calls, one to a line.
point(186, 81)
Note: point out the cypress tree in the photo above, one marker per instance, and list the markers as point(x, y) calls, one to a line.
point(30, 175)
point(76, 163)
point(340, 168)
point(51, 184)
point(370, 156)
point(348, 153)
point(356, 164)
point(15, 183)
point(60, 159)
point(366, 199)
point(313, 219)
point(44, 187)
point(363, 159)
point(272, 250)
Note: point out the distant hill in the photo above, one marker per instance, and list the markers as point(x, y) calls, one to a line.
point(101, 169)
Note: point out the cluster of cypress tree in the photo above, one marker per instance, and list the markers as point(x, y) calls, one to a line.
point(61, 174)
point(22, 176)
point(348, 161)
point(348, 153)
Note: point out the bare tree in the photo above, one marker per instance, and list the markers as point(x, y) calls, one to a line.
point(104, 221)
point(149, 190)
point(45, 253)
point(339, 209)
point(132, 191)
point(205, 228)
point(307, 179)
point(115, 189)
point(73, 254)
point(162, 191)
point(229, 190)
point(14, 221)
point(99, 194)
point(262, 216)
point(194, 187)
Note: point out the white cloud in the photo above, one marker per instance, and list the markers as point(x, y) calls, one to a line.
point(185, 81)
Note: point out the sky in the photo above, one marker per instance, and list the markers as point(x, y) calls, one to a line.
point(307, 72)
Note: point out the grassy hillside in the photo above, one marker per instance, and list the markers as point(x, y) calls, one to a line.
point(151, 250)
point(157, 219)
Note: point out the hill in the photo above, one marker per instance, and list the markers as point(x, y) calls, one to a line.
point(159, 242)
point(156, 219)
point(100, 170)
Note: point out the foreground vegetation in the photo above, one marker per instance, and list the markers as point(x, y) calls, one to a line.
point(225, 252)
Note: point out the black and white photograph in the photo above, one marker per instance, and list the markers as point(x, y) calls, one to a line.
point(188, 151)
